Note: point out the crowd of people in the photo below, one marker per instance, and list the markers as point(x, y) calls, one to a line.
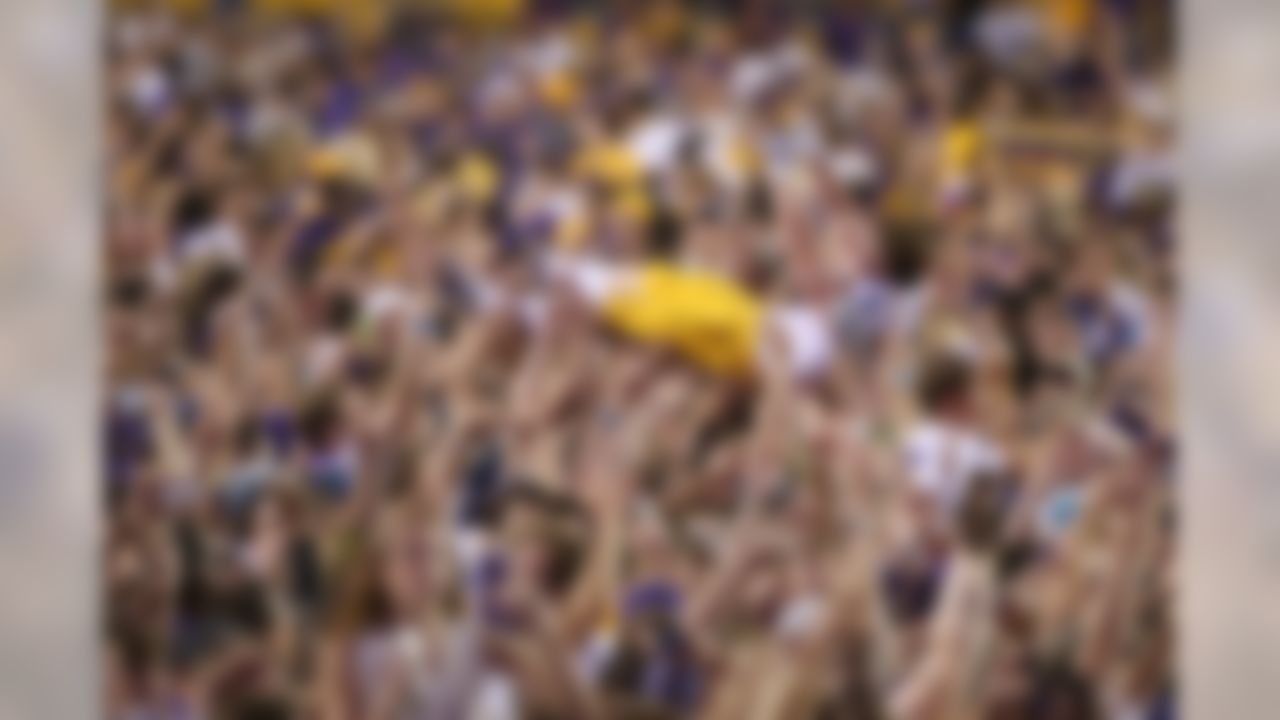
point(562, 360)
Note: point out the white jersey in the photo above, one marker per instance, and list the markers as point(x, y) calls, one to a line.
point(942, 458)
point(809, 338)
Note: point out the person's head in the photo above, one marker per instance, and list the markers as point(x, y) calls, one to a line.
point(364, 603)
point(952, 269)
point(764, 587)
point(256, 706)
point(1051, 336)
point(545, 535)
point(945, 387)
point(1092, 268)
point(653, 547)
point(1061, 692)
point(664, 233)
point(907, 247)
point(980, 519)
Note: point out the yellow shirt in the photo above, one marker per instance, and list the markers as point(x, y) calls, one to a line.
point(703, 316)
point(611, 163)
point(961, 146)
point(1068, 18)
point(484, 12)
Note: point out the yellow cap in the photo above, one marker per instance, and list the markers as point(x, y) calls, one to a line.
point(294, 6)
point(387, 260)
point(559, 90)
point(477, 177)
point(960, 148)
point(324, 164)
point(486, 12)
point(663, 21)
point(611, 163)
point(364, 20)
point(745, 157)
point(1069, 18)
point(188, 7)
point(350, 157)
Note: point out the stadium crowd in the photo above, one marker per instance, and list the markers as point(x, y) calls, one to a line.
point(565, 360)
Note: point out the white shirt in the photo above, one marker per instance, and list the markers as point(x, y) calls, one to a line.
point(497, 698)
point(592, 280)
point(655, 143)
point(809, 338)
point(942, 458)
point(220, 241)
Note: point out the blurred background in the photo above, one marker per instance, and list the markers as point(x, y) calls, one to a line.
point(640, 359)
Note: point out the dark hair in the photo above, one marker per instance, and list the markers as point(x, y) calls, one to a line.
point(564, 542)
point(980, 517)
point(974, 86)
point(249, 435)
point(136, 651)
point(945, 383)
point(1062, 691)
point(759, 202)
point(731, 421)
point(566, 556)
point(665, 233)
point(1017, 557)
point(258, 707)
point(624, 674)
point(906, 250)
point(911, 593)
point(320, 419)
point(195, 208)
point(362, 601)
point(213, 287)
point(340, 311)
point(130, 291)
point(764, 271)
point(529, 493)
point(248, 609)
